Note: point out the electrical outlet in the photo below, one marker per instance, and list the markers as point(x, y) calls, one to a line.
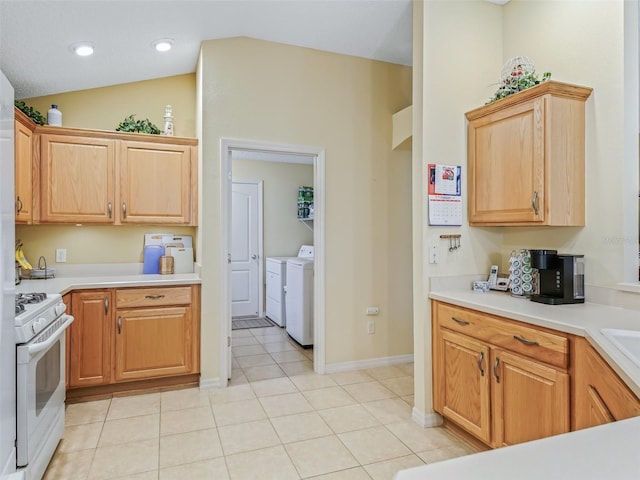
point(433, 254)
point(61, 255)
point(371, 326)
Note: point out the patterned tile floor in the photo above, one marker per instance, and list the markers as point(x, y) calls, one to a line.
point(277, 420)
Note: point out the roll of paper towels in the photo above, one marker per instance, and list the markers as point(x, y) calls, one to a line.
point(152, 254)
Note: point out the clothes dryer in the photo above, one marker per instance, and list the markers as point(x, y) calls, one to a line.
point(276, 281)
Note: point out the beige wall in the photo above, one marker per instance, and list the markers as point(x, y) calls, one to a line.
point(87, 244)
point(283, 232)
point(457, 73)
point(592, 54)
point(104, 108)
point(256, 90)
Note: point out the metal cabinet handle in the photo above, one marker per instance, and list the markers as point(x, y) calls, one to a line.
point(106, 305)
point(110, 209)
point(124, 209)
point(19, 204)
point(460, 322)
point(534, 202)
point(526, 342)
point(480, 360)
point(119, 325)
point(495, 370)
point(154, 297)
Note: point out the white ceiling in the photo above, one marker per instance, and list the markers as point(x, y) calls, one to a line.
point(35, 35)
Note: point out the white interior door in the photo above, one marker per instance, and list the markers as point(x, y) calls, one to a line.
point(245, 249)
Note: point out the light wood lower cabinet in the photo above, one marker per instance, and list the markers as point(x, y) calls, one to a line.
point(463, 379)
point(124, 335)
point(91, 338)
point(153, 341)
point(530, 399)
point(600, 396)
point(500, 396)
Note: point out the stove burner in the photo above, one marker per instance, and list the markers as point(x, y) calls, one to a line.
point(23, 299)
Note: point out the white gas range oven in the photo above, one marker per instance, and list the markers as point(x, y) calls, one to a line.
point(40, 325)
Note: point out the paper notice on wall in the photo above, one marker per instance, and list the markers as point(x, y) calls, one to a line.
point(447, 181)
point(445, 194)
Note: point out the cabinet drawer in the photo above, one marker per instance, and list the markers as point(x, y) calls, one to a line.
point(152, 297)
point(529, 341)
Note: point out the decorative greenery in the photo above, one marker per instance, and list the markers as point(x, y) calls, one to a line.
point(30, 112)
point(130, 124)
point(518, 81)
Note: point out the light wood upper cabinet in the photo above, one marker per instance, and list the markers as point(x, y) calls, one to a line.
point(78, 181)
point(100, 177)
point(526, 158)
point(155, 183)
point(500, 381)
point(600, 396)
point(23, 146)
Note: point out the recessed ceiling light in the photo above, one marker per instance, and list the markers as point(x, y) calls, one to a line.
point(163, 45)
point(82, 49)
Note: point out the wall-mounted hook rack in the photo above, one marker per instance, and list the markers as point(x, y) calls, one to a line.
point(454, 241)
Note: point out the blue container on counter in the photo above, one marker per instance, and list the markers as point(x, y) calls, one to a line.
point(152, 254)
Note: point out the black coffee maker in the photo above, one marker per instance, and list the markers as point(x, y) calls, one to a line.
point(560, 277)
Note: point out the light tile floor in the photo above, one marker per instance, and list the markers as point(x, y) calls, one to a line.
point(277, 420)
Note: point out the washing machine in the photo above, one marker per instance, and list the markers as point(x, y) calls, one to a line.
point(276, 281)
point(299, 298)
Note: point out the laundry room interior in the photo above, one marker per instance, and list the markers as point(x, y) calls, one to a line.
point(272, 234)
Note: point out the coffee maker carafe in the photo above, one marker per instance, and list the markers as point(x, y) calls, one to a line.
point(560, 277)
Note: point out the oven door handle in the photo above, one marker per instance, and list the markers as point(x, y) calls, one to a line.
point(38, 347)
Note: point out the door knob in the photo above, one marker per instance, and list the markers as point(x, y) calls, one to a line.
point(254, 256)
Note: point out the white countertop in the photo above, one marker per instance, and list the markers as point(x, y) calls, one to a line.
point(610, 451)
point(63, 285)
point(583, 319)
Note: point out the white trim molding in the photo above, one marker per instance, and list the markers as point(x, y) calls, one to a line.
point(426, 420)
point(211, 383)
point(265, 150)
point(368, 363)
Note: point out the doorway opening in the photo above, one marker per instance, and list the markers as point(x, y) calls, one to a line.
point(232, 150)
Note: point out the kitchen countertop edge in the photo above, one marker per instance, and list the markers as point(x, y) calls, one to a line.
point(585, 320)
point(63, 285)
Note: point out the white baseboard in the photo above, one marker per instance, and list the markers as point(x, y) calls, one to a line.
point(368, 363)
point(211, 383)
point(426, 420)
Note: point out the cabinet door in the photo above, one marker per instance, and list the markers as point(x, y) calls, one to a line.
point(531, 400)
point(597, 411)
point(600, 396)
point(91, 338)
point(78, 179)
point(153, 342)
point(155, 183)
point(464, 380)
point(506, 153)
point(23, 171)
